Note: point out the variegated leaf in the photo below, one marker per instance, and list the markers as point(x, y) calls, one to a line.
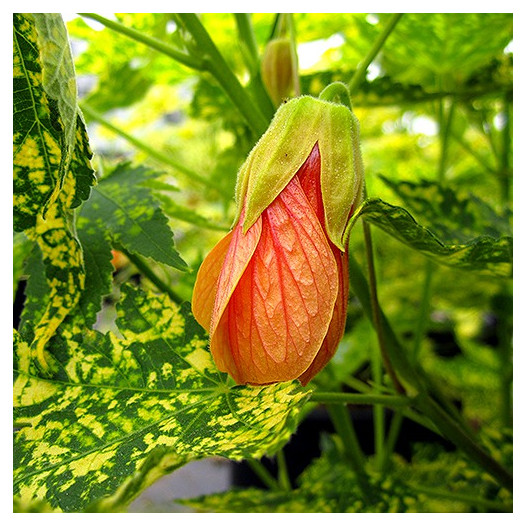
point(49, 137)
point(52, 167)
point(90, 430)
point(482, 253)
point(453, 215)
point(37, 131)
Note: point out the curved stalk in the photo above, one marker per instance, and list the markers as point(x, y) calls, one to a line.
point(162, 47)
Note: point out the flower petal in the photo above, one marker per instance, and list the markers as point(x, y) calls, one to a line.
point(205, 288)
point(237, 257)
point(337, 325)
point(279, 313)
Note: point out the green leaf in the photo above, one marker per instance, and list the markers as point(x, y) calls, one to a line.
point(96, 247)
point(36, 293)
point(455, 216)
point(482, 253)
point(123, 205)
point(89, 430)
point(426, 46)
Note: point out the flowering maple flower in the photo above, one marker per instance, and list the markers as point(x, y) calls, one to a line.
point(273, 292)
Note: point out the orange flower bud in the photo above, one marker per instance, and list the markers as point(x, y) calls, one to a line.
point(273, 296)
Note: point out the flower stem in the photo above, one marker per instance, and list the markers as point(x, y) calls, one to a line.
point(336, 92)
point(251, 56)
point(390, 443)
point(359, 74)
point(261, 471)
point(376, 308)
point(283, 474)
point(419, 383)
point(294, 53)
point(352, 450)
point(378, 410)
point(425, 304)
point(246, 35)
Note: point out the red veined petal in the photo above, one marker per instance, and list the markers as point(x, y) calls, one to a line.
point(278, 315)
point(205, 289)
point(337, 325)
point(237, 257)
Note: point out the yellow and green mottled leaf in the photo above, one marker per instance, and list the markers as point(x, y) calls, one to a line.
point(49, 137)
point(482, 253)
point(52, 163)
point(37, 130)
point(89, 430)
point(453, 215)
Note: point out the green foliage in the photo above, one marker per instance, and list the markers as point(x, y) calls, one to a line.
point(124, 207)
point(328, 486)
point(87, 430)
point(481, 253)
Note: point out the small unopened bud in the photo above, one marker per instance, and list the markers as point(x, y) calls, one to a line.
point(277, 69)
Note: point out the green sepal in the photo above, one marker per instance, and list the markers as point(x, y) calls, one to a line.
point(297, 126)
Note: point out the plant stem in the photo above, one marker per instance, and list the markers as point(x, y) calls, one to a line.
point(392, 436)
point(294, 54)
point(283, 475)
point(445, 124)
point(261, 471)
point(323, 397)
point(217, 66)
point(336, 92)
point(425, 307)
point(378, 410)
point(190, 175)
point(162, 47)
point(359, 74)
point(352, 451)
point(376, 308)
point(246, 35)
point(146, 270)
